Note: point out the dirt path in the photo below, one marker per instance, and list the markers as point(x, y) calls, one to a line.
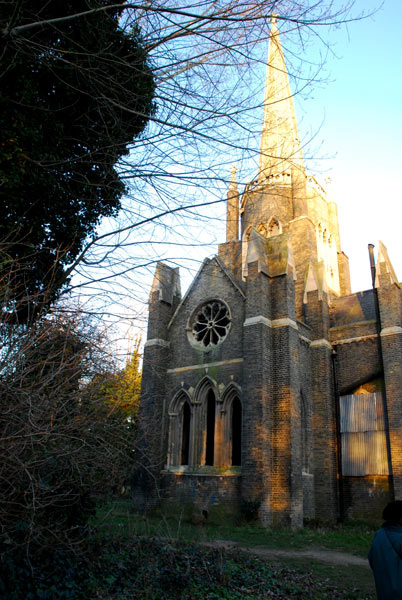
point(327, 556)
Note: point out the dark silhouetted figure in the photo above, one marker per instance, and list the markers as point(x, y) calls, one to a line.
point(385, 554)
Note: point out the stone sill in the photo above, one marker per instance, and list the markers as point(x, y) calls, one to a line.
point(204, 471)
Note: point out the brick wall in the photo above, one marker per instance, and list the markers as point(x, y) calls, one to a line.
point(365, 497)
point(214, 498)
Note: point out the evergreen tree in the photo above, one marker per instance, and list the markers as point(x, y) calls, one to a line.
point(73, 94)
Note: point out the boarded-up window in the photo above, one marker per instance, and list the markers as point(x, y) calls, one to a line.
point(364, 447)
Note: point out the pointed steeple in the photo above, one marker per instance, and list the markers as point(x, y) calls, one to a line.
point(280, 145)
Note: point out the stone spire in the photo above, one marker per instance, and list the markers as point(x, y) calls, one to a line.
point(232, 211)
point(280, 145)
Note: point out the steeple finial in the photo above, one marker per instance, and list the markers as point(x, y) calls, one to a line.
point(280, 146)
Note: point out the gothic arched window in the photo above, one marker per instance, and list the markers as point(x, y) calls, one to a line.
point(274, 227)
point(210, 428)
point(180, 430)
point(235, 427)
point(185, 434)
point(305, 446)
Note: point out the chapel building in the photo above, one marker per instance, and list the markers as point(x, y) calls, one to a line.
point(269, 389)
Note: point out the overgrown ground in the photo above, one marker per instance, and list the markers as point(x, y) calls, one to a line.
point(242, 575)
point(130, 557)
point(119, 519)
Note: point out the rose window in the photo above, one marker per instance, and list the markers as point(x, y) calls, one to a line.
point(211, 323)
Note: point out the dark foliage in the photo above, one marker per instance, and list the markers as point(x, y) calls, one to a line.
point(73, 95)
point(162, 571)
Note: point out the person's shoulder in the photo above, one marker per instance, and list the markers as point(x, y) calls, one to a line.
point(381, 533)
point(391, 528)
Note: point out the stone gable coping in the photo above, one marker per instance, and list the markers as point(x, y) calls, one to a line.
point(205, 262)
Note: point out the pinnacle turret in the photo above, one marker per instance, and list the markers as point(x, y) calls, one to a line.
point(232, 214)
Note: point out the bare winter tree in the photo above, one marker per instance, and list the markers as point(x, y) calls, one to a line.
point(67, 431)
point(204, 57)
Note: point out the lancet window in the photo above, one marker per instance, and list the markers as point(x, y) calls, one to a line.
point(205, 431)
point(185, 434)
point(236, 430)
point(180, 430)
point(210, 428)
point(274, 227)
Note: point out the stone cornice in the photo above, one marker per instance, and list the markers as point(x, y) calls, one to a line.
point(391, 331)
point(272, 324)
point(361, 338)
point(206, 366)
point(157, 342)
point(321, 343)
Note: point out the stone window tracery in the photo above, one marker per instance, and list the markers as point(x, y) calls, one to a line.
point(274, 227)
point(180, 430)
point(205, 431)
point(211, 324)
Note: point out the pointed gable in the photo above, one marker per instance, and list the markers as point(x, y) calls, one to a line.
point(201, 274)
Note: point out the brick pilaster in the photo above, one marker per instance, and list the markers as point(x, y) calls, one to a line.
point(323, 405)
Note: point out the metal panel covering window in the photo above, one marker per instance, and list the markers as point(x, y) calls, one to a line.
point(364, 448)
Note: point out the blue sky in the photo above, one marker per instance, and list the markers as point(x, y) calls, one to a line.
point(356, 120)
point(361, 135)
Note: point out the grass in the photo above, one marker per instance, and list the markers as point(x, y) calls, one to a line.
point(281, 577)
point(118, 518)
